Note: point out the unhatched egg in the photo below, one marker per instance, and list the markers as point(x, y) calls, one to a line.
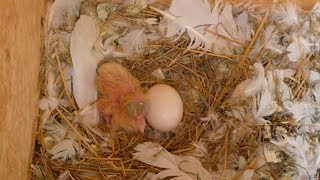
point(165, 108)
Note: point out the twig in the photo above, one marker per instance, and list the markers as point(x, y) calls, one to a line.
point(225, 155)
point(197, 51)
point(64, 83)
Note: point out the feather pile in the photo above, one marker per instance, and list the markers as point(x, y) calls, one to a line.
point(213, 30)
point(262, 63)
point(306, 155)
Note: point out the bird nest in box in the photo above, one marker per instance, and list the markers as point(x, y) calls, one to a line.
point(247, 76)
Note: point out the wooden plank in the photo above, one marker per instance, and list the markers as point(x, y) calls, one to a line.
point(20, 42)
point(304, 4)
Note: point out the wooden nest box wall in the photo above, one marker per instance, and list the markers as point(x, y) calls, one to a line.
point(20, 53)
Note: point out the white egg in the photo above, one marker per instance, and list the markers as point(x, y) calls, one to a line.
point(165, 108)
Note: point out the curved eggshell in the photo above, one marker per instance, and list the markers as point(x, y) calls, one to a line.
point(165, 108)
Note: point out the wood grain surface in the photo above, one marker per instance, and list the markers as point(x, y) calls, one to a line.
point(20, 43)
point(265, 4)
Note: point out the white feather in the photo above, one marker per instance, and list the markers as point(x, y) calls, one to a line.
point(250, 87)
point(247, 174)
point(307, 111)
point(158, 74)
point(316, 10)
point(242, 162)
point(298, 49)
point(244, 31)
point(237, 29)
point(66, 149)
point(284, 91)
point(56, 130)
point(306, 114)
point(134, 42)
point(226, 31)
point(107, 49)
point(306, 157)
point(295, 53)
point(286, 16)
point(50, 103)
point(85, 63)
point(314, 77)
point(200, 150)
point(271, 82)
point(284, 73)
point(227, 26)
point(64, 12)
point(218, 32)
point(291, 15)
point(257, 83)
point(181, 167)
point(209, 36)
point(263, 105)
point(271, 39)
point(180, 20)
point(150, 176)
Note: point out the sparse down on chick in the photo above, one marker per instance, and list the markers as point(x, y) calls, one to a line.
point(121, 100)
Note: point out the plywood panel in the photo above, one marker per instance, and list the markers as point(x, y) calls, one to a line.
point(20, 29)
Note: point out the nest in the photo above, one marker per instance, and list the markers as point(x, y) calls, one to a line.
point(205, 81)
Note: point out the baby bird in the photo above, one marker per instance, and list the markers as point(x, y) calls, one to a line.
point(121, 100)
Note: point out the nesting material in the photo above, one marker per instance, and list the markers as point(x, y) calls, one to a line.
point(247, 74)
